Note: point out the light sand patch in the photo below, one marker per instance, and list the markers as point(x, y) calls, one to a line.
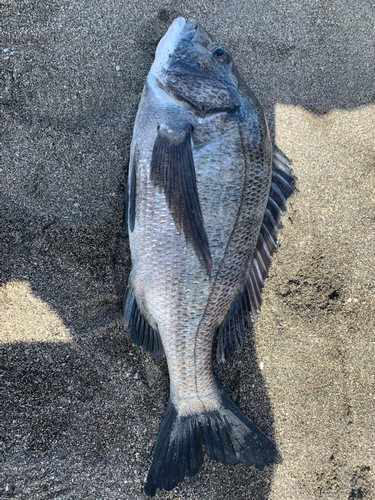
point(26, 318)
point(316, 334)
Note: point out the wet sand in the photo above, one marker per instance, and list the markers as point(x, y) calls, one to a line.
point(80, 406)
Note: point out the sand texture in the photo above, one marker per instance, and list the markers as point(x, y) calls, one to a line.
point(80, 405)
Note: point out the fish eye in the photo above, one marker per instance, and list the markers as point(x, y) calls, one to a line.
point(221, 55)
point(218, 52)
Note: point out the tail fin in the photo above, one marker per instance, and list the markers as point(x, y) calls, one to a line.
point(226, 433)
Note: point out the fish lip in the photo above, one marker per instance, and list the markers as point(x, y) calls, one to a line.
point(167, 45)
point(179, 29)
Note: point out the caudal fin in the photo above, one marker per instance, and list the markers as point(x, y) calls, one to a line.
point(226, 433)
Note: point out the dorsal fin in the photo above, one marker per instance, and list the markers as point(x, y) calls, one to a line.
point(243, 311)
point(141, 333)
point(172, 169)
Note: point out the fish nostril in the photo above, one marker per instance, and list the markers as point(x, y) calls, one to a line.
point(190, 27)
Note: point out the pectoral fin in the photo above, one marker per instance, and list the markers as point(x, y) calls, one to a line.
point(172, 170)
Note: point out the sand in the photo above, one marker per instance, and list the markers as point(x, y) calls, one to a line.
point(80, 406)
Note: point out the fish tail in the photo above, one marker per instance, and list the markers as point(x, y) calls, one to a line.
point(178, 452)
point(231, 438)
point(227, 435)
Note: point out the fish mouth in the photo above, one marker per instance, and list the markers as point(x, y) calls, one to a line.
point(189, 30)
point(167, 46)
point(180, 28)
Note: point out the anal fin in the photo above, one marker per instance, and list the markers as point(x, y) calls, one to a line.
point(141, 332)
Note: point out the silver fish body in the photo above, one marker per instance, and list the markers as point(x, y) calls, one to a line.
point(203, 203)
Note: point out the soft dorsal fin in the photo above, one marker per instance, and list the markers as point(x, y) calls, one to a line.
point(141, 333)
point(172, 169)
point(243, 311)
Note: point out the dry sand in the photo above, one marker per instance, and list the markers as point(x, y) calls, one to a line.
point(80, 406)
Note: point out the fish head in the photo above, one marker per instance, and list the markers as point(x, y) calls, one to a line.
point(197, 71)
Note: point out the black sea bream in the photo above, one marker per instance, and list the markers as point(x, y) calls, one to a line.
point(204, 198)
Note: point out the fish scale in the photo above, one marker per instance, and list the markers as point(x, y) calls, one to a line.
point(203, 205)
point(236, 261)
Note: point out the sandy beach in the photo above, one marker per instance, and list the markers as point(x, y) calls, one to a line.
point(80, 405)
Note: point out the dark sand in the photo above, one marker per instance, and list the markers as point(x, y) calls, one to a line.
point(80, 406)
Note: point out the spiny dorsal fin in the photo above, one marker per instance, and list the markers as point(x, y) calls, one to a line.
point(172, 169)
point(141, 333)
point(243, 311)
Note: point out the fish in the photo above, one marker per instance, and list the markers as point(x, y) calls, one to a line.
point(205, 193)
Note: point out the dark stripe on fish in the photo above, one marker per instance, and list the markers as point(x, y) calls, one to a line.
point(172, 170)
